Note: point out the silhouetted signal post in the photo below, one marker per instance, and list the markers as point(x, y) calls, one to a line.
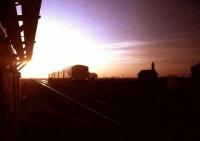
point(18, 24)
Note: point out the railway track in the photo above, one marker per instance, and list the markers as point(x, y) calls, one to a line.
point(124, 116)
point(121, 114)
point(51, 111)
point(105, 111)
point(89, 108)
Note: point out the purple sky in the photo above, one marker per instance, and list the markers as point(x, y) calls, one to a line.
point(168, 30)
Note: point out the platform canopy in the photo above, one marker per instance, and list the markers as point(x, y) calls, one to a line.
point(20, 19)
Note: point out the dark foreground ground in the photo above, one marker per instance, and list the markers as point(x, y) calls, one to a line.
point(163, 110)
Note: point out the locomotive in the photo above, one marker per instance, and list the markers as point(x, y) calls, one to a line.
point(76, 72)
point(92, 75)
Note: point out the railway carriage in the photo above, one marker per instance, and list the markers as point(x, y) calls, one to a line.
point(76, 72)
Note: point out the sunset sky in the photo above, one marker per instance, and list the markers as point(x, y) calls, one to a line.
point(116, 37)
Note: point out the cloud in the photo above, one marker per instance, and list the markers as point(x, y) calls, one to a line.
point(178, 52)
point(170, 42)
point(125, 44)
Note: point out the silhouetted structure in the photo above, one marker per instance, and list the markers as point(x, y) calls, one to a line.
point(76, 72)
point(148, 74)
point(93, 75)
point(195, 71)
point(18, 24)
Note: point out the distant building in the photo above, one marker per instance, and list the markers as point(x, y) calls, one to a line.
point(195, 70)
point(150, 74)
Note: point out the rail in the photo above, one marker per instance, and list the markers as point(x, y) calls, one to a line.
point(84, 106)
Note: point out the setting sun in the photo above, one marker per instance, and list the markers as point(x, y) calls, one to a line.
point(111, 41)
point(60, 46)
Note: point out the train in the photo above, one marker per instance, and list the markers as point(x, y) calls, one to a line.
point(76, 72)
